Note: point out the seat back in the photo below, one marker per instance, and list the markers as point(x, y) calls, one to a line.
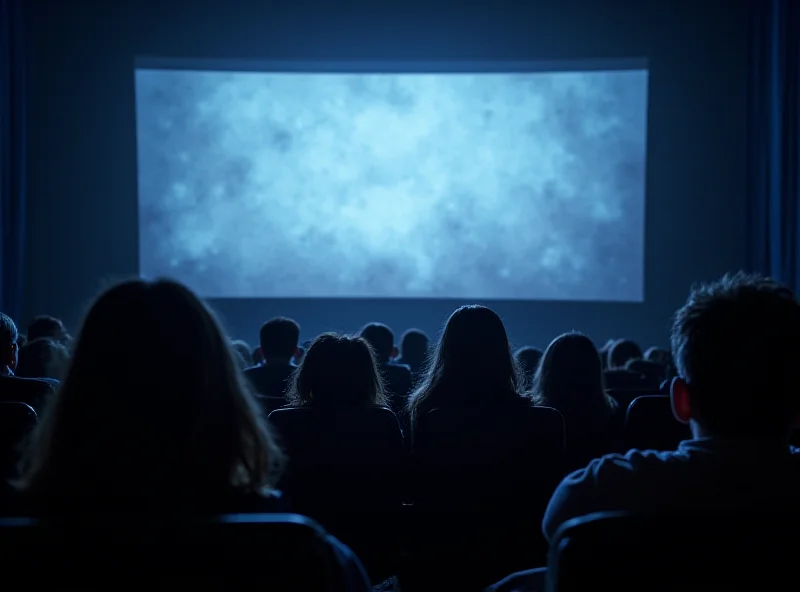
point(624, 397)
point(344, 458)
point(485, 457)
point(345, 469)
point(668, 552)
point(31, 391)
point(650, 425)
point(257, 551)
point(482, 478)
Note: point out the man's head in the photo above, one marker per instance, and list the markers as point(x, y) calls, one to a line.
point(8, 342)
point(414, 346)
point(381, 338)
point(279, 337)
point(736, 346)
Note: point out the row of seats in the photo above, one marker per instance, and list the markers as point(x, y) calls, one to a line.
point(348, 469)
point(619, 551)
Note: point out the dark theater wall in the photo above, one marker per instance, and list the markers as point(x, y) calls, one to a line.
point(82, 217)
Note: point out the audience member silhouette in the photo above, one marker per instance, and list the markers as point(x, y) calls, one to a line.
point(14, 388)
point(528, 360)
point(569, 378)
point(161, 420)
point(414, 351)
point(42, 358)
point(338, 371)
point(617, 376)
point(736, 344)
point(471, 364)
point(278, 342)
point(622, 351)
point(658, 355)
point(48, 327)
point(396, 377)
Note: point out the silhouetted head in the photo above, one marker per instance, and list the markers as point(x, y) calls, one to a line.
point(8, 344)
point(736, 345)
point(279, 338)
point(153, 406)
point(414, 347)
point(471, 363)
point(570, 378)
point(621, 352)
point(42, 358)
point(528, 360)
point(48, 327)
point(338, 371)
point(242, 349)
point(381, 339)
point(658, 355)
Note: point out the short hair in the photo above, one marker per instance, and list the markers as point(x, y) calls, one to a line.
point(381, 338)
point(736, 343)
point(48, 327)
point(279, 337)
point(8, 331)
point(621, 352)
point(414, 344)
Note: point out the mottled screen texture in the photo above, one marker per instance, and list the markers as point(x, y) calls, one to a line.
point(259, 184)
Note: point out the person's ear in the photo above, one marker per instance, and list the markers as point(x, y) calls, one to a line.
point(297, 352)
point(681, 405)
point(395, 353)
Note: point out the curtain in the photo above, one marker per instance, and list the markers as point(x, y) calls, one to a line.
point(774, 241)
point(12, 166)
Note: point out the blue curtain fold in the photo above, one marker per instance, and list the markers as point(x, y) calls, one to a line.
point(12, 166)
point(774, 140)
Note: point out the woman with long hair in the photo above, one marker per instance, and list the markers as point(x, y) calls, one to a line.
point(471, 364)
point(153, 412)
point(569, 378)
point(338, 371)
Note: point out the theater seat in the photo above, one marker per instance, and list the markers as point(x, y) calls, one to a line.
point(669, 552)
point(234, 552)
point(345, 469)
point(483, 476)
point(31, 391)
point(650, 425)
point(16, 422)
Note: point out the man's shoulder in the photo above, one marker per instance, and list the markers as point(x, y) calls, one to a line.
point(622, 466)
point(612, 482)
